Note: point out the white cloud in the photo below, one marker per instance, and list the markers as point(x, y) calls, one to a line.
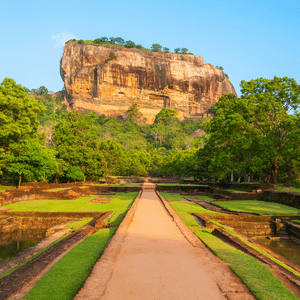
point(61, 38)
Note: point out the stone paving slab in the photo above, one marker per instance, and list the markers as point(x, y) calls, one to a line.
point(152, 259)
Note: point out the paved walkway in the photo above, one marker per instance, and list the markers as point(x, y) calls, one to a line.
point(155, 261)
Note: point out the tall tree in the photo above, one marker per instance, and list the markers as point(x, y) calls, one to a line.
point(262, 127)
point(18, 121)
point(77, 144)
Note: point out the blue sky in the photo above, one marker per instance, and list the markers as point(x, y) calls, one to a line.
point(250, 39)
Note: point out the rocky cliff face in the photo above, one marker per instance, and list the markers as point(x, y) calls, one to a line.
point(109, 79)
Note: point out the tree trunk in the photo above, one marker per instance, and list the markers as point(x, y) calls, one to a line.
point(20, 178)
point(231, 177)
point(275, 171)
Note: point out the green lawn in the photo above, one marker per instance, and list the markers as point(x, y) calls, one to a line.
point(57, 189)
point(285, 189)
point(4, 188)
point(261, 207)
point(206, 198)
point(180, 184)
point(65, 279)
point(259, 279)
point(296, 221)
point(120, 204)
point(236, 191)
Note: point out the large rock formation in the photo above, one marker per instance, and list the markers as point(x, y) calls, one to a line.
point(109, 79)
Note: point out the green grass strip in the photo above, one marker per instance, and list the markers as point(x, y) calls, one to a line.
point(255, 247)
point(261, 207)
point(78, 224)
point(58, 189)
point(236, 191)
point(119, 205)
point(65, 279)
point(259, 279)
point(205, 198)
point(296, 221)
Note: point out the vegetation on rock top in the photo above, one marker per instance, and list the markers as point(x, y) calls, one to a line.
point(119, 42)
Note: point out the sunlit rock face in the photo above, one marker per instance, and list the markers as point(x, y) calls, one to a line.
point(109, 79)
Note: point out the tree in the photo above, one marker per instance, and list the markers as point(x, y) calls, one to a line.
point(134, 115)
point(32, 161)
point(119, 41)
point(184, 50)
point(98, 41)
point(176, 50)
point(18, 121)
point(156, 47)
point(112, 40)
point(115, 158)
point(165, 116)
point(167, 50)
point(260, 130)
point(129, 44)
point(77, 144)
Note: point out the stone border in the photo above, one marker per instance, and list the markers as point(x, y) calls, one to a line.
point(104, 266)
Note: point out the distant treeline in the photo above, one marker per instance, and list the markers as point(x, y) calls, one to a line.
point(251, 138)
point(128, 44)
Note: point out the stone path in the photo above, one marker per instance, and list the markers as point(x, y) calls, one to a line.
point(150, 258)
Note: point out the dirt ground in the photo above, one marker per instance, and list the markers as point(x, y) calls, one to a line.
point(155, 261)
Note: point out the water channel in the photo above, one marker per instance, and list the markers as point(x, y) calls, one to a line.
point(13, 243)
point(284, 247)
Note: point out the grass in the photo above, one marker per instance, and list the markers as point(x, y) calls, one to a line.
point(122, 184)
point(261, 207)
point(120, 204)
point(186, 208)
point(236, 191)
point(57, 189)
point(173, 196)
point(206, 198)
point(179, 184)
point(65, 279)
point(4, 188)
point(296, 221)
point(259, 279)
point(285, 189)
point(79, 223)
point(232, 232)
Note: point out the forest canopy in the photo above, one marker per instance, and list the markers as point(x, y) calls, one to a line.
point(254, 137)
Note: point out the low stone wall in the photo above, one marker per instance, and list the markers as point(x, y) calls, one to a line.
point(290, 199)
point(186, 189)
point(243, 186)
point(51, 214)
point(72, 192)
point(293, 230)
point(248, 225)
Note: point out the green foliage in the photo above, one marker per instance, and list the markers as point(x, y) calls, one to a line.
point(166, 50)
point(184, 50)
point(260, 130)
point(77, 145)
point(156, 47)
point(176, 50)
